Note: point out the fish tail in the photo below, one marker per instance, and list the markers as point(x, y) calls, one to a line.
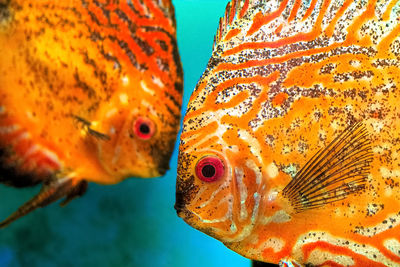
point(50, 192)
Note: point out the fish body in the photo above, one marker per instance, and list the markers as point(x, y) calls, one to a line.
point(289, 151)
point(90, 92)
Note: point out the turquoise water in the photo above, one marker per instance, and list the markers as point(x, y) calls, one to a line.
point(132, 223)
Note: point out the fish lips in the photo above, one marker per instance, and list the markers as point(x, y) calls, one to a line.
point(192, 220)
point(162, 170)
point(182, 212)
point(185, 214)
point(180, 206)
point(185, 192)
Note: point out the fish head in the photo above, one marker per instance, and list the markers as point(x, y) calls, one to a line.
point(220, 181)
point(142, 132)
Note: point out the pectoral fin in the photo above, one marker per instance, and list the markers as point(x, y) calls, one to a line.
point(334, 173)
point(50, 192)
point(86, 126)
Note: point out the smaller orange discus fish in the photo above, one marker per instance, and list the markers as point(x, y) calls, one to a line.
point(90, 90)
point(290, 149)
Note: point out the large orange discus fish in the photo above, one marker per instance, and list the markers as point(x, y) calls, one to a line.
point(90, 91)
point(290, 150)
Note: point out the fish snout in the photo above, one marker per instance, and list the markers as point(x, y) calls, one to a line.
point(162, 170)
point(185, 193)
point(179, 203)
point(186, 189)
point(183, 212)
point(161, 160)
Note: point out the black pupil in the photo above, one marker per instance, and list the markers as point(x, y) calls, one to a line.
point(144, 128)
point(208, 171)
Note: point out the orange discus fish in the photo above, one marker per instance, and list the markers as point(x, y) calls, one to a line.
point(91, 91)
point(290, 150)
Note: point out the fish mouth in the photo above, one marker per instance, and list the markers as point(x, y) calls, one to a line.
point(191, 219)
point(163, 170)
point(180, 207)
point(183, 213)
point(179, 203)
point(162, 163)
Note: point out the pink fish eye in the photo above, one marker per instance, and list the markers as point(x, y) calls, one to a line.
point(210, 169)
point(144, 128)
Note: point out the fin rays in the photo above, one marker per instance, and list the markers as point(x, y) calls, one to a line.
point(86, 126)
point(234, 9)
point(334, 172)
point(50, 192)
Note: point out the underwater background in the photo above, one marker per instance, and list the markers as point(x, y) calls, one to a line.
point(132, 223)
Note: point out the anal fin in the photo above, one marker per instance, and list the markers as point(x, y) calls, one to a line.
point(51, 191)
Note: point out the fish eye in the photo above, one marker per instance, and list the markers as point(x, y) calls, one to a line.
point(210, 169)
point(144, 128)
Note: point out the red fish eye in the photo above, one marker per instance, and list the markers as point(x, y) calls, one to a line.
point(144, 128)
point(210, 169)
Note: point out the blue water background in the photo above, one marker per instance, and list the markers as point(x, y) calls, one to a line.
point(132, 223)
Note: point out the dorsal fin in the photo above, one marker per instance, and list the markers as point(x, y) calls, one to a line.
point(145, 7)
point(234, 10)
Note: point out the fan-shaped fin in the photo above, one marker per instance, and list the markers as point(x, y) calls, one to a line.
point(86, 126)
point(335, 172)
